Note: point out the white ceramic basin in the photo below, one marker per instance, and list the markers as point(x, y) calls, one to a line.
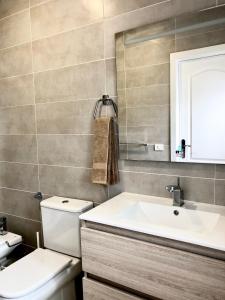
point(195, 223)
point(165, 216)
point(8, 243)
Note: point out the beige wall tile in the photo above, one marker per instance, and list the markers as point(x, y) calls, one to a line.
point(169, 168)
point(195, 189)
point(122, 116)
point(78, 82)
point(193, 5)
point(68, 48)
point(17, 120)
point(111, 77)
point(157, 133)
point(154, 29)
point(220, 192)
point(37, 2)
point(198, 189)
point(25, 227)
point(148, 15)
point(65, 150)
point(120, 60)
point(22, 203)
point(149, 115)
point(18, 148)
point(8, 7)
point(221, 2)
point(116, 7)
point(149, 95)
point(146, 184)
point(15, 29)
point(200, 17)
point(149, 53)
point(144, 76)
point(19, 176)
point(16, 91)
point(15, 61)
point(65, 117)
point(220, 172)
point(137, 152)
point(77, 183)
point(201, 40)
point(121, 99)
point(57, 16)
point(120, 80)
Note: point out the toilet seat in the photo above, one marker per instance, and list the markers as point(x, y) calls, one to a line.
point(33, 272)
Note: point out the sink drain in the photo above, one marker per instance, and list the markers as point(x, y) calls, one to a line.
point(176, 212)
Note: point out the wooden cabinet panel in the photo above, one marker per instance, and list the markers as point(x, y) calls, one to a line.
point(154, 270)
point(94, 290)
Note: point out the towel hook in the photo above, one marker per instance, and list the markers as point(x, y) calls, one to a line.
point(105, 100)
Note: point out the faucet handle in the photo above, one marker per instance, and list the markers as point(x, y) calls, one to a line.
point(171, 188)
point(3, 225)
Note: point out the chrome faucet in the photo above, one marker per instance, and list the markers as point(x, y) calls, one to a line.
point(178, 199)
point(3, 225)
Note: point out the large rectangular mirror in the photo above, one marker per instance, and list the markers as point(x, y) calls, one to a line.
point(144, 86)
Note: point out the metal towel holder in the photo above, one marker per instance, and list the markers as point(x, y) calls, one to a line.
point(105, 100)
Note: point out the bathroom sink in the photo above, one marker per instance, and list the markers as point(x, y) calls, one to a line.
point(169, 217)
point(196, 223)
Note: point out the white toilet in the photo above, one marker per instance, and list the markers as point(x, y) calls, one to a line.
point(46, 273)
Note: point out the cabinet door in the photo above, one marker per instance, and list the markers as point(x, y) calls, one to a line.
point(154, 270)
point(94, 290)
point(198, 104)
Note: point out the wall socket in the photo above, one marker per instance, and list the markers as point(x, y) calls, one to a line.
point(159, 147)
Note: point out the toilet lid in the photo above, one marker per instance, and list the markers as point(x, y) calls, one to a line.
point(31, 272)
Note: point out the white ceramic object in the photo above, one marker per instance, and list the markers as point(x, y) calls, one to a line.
point(46, 274)
point(8, 243)
point(61, 226)
point(196, 223)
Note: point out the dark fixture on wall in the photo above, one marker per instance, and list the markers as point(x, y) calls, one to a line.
point(38, 196)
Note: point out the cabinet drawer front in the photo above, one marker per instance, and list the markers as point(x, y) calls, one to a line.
point(94, 290)
point(162, 272)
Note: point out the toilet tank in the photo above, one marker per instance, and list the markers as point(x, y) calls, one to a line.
point(61, 225)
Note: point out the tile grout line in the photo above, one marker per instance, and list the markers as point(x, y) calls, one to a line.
point(125, 95)
point(54, 69)
point(41, 3)
point(121, 170)
point(95, 22)
point(49, 102)
point(57, 69)
point(169, 175)
point(137, 9)
point(49, 134)
point(35, 107)
point(14, 46)
point(14, 14)
point(37, 221)
point(215, 184)
point(105, 70)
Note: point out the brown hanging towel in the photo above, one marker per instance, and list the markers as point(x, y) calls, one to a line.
point(106, 151)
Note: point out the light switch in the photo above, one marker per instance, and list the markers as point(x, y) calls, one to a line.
point(159, 147)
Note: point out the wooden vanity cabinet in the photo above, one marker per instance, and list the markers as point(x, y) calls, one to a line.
point(147, 269)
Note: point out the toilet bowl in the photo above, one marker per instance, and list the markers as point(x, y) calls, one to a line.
point(49, 273)
point(8, 242)
point(43, 274)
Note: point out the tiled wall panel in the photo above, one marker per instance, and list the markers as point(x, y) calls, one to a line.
point(48, 88)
